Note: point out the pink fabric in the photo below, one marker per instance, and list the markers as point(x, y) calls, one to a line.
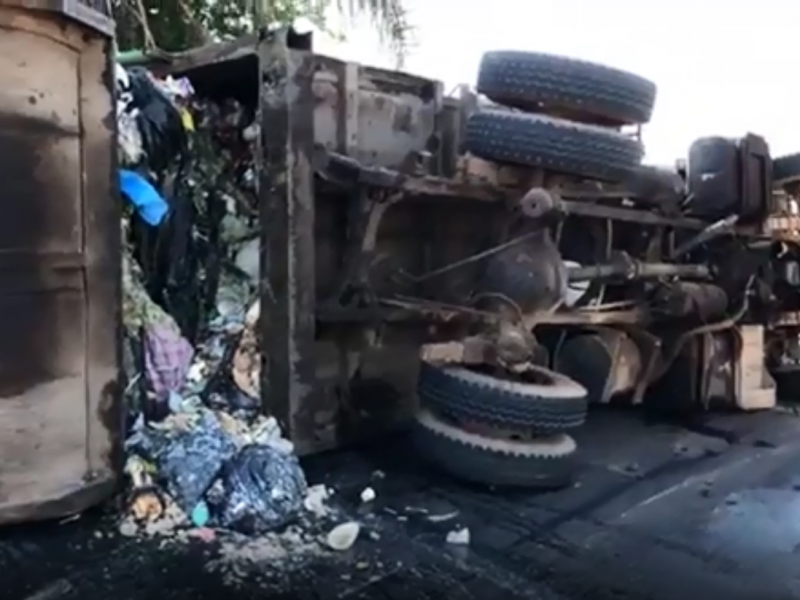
point(167, 358)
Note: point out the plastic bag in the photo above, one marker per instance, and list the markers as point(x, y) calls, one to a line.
point(146, 199)
point(188, 461)
point(263, 490)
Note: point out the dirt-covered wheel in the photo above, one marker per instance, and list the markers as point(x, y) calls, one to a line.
point(567, 87)
point(552, 144)
point(548, 462)
point(537, 400)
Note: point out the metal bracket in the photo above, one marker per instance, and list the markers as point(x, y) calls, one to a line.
point(363, 221)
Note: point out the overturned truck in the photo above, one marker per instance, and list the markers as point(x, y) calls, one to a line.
point(501, 262)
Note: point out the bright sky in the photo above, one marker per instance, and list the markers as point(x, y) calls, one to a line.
point(722, 67)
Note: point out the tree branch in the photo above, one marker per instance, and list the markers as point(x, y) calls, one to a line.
point(140, 13)
point(197, 29)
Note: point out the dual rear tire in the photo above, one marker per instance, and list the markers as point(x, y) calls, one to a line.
point(501, 430)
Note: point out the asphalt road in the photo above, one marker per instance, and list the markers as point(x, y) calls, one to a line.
point(660, 512)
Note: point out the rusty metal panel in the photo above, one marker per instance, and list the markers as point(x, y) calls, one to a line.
point(95, 14)
point(286, 190)
point(378, 117)
point(102, 264)
point(48, 464)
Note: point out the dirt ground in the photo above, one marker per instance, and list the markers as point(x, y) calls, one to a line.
point(711, 510)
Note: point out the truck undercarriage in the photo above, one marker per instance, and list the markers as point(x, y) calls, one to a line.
point(398, 223)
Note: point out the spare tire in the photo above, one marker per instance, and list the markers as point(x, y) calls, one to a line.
point(538, 82)
point(553, 144)
point(542, 401)
point(548, 462)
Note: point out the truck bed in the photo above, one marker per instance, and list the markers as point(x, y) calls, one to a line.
point(708, 510)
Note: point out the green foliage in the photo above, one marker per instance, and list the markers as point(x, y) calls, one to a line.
point(181, 24)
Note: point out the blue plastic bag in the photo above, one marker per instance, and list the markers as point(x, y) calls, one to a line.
point(263, 489)
point(188, 461)
point(148, 202)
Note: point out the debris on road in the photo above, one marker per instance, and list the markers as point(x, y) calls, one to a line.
point(315, 500)
point(368, 495)
point(342, 537)
point(459, 537)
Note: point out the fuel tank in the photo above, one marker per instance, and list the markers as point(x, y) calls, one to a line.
point(713, 178)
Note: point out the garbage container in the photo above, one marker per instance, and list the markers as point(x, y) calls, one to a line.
point(60, 418)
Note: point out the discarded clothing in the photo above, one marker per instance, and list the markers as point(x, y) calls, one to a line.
point(159, 120)
point(167, 359)
point(147, 201)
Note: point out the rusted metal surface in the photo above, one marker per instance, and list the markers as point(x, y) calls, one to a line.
point(375, 116)
point(101, 213)
point(684, 299)
point(286, 186)
point(606, 361)
point(377, 238)
point(577, 200)
point(94, 14)
point(59, 235)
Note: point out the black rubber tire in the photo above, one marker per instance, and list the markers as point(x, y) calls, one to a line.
point(470, 396)
point(552, 144)
point(785, 168)
point(529, 80)
point(545, 463)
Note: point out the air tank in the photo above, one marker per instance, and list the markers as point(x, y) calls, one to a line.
point(713, 178)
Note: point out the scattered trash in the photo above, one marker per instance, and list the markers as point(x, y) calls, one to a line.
point(56, 589)
point(69, 519)
point(171, 522)
point(442, 518)
point(200, 514)
point(342, 537)
point(145, 500)
point(204, 534)
point(241, 557)
point(314, 501)
point(368, 495)
point(204, 461)
point(189, 453)
point(247, 259)
point(458, 537)
point(263, 490)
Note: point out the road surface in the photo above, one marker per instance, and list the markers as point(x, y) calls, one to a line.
point(660, 513)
